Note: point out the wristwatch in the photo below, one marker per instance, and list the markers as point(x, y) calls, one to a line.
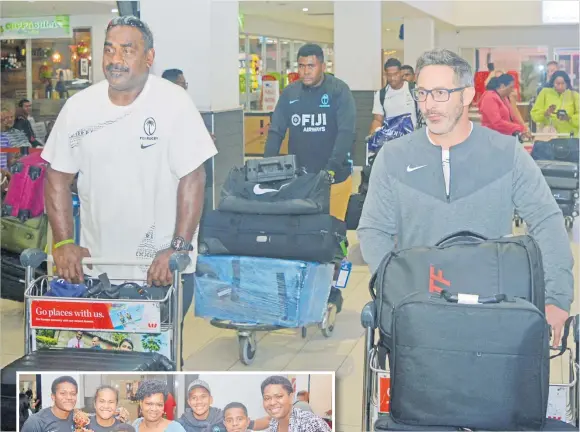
point(178, 244)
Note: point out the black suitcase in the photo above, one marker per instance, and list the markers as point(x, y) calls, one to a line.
point(72, 359)
point(354, 210)
point(454, 363)
point(299, 237)
point(565, 196)
point(560, 175)
point(12, 276)
point(271, 169)
point(568, 210)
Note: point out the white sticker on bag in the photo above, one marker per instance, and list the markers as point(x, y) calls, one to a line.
point(467, 299)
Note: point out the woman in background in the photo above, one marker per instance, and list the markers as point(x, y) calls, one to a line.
point(513, 97)
point(556, 109)
point(496, 110)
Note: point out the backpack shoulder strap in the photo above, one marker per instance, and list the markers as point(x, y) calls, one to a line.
point(382, 96)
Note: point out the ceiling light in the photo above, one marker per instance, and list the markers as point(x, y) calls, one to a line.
point(304, 9)
point(114, 10)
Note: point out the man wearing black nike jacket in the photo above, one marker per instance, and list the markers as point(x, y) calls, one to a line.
point(319, 110)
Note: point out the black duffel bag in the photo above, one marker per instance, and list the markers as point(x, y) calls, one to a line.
point(304, 194)
point(469, 361)
point(465, 262)
point(563, 149)
point(314, 238)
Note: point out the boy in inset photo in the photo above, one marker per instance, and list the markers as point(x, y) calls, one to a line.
point(236, 417)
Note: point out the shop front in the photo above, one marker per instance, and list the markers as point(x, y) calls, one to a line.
point(44, 60)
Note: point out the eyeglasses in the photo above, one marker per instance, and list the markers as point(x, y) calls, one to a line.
point(439, 95)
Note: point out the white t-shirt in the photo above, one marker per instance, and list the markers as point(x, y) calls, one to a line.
point(397, 102)
point(129, 160)
point(445, 161)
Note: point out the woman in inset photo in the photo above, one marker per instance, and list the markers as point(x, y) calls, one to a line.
point(152, 395)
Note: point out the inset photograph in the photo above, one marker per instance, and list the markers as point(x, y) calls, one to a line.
point(176, 402)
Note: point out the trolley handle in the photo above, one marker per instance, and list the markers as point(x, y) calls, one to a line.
point(565, 334)
point(559, 135)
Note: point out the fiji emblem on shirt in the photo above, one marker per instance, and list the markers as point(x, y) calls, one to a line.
point(216, 429)
point(325, 101)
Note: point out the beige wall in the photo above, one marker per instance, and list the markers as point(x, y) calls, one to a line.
point(321, 393)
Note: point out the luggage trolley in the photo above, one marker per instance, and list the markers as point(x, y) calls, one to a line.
point(248, 344)
point(562, 400)
point(157, 315)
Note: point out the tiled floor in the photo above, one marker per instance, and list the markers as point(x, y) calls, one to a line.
point(212, 349)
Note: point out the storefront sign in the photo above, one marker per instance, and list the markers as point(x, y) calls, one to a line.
point(35, 28)
point(270, 95)
point(102, 316)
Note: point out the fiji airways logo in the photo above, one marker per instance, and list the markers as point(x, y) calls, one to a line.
point(310, 122)
point(325, 101)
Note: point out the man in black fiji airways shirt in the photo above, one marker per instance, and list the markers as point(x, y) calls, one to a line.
point(58, 418)
point(320, 113)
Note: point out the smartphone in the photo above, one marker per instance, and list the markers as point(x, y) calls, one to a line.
point(561, 113)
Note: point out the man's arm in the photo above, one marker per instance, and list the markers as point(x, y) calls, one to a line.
point(190, 196)
point(537, 207)
point(278, 127)
point(58, 201)
point(378, 114)
point(377, 228)
point(346, 119)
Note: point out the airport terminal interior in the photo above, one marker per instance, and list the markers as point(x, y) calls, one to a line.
point(231, 53)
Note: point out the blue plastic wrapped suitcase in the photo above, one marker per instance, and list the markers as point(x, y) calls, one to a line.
point(262, 290)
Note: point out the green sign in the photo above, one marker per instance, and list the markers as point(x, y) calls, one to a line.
point(42, 27)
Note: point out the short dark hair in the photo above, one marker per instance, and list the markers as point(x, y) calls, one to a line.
point(392, 62)
point(407, 67)
point(151, 387)
point(62, 380)
point(563, 75)
point(311, 50)
point(552, 62)
point(497, 82)
point(133, 21)
point(278, 380)
point(107, 387)
point(171, 74)
point(236, 405)
point(128, 341)
point(22, 102)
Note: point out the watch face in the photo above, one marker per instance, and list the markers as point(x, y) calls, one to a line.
point(178, 243)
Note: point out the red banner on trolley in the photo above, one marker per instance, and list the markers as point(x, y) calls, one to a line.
point(384, 393)
point(95, 315)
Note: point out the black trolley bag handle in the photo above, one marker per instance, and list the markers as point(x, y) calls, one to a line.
point(572, 321)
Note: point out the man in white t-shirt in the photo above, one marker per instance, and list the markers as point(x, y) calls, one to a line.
point(138, 144)
point(395, 99)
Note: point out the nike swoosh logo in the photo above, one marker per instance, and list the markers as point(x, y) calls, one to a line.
point(259, 191)
point(411, 169)
point(143, 146)
point(293, 101)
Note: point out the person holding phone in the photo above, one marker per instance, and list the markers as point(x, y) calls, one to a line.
point(556, 109)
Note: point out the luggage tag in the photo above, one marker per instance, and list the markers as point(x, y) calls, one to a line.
point(344, 274)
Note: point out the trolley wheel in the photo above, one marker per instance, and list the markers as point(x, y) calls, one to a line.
point(327, 325)
point(304, 332)
point(518, 221)
point(569, 222)
point(247, 349)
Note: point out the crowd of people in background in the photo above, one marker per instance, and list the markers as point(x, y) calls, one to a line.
point(156, 414)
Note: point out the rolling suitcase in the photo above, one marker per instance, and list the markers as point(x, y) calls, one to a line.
point(25, 196)
point(315, 238)
point(72, 359)
point(479, 375)
point(565, 196)
point(16, 236)
point(560, 175)
point(354, 210)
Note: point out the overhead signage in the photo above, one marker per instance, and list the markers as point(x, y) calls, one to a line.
point(35, 28)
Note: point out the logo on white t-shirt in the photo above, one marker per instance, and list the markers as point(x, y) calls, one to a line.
point(149, 127)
